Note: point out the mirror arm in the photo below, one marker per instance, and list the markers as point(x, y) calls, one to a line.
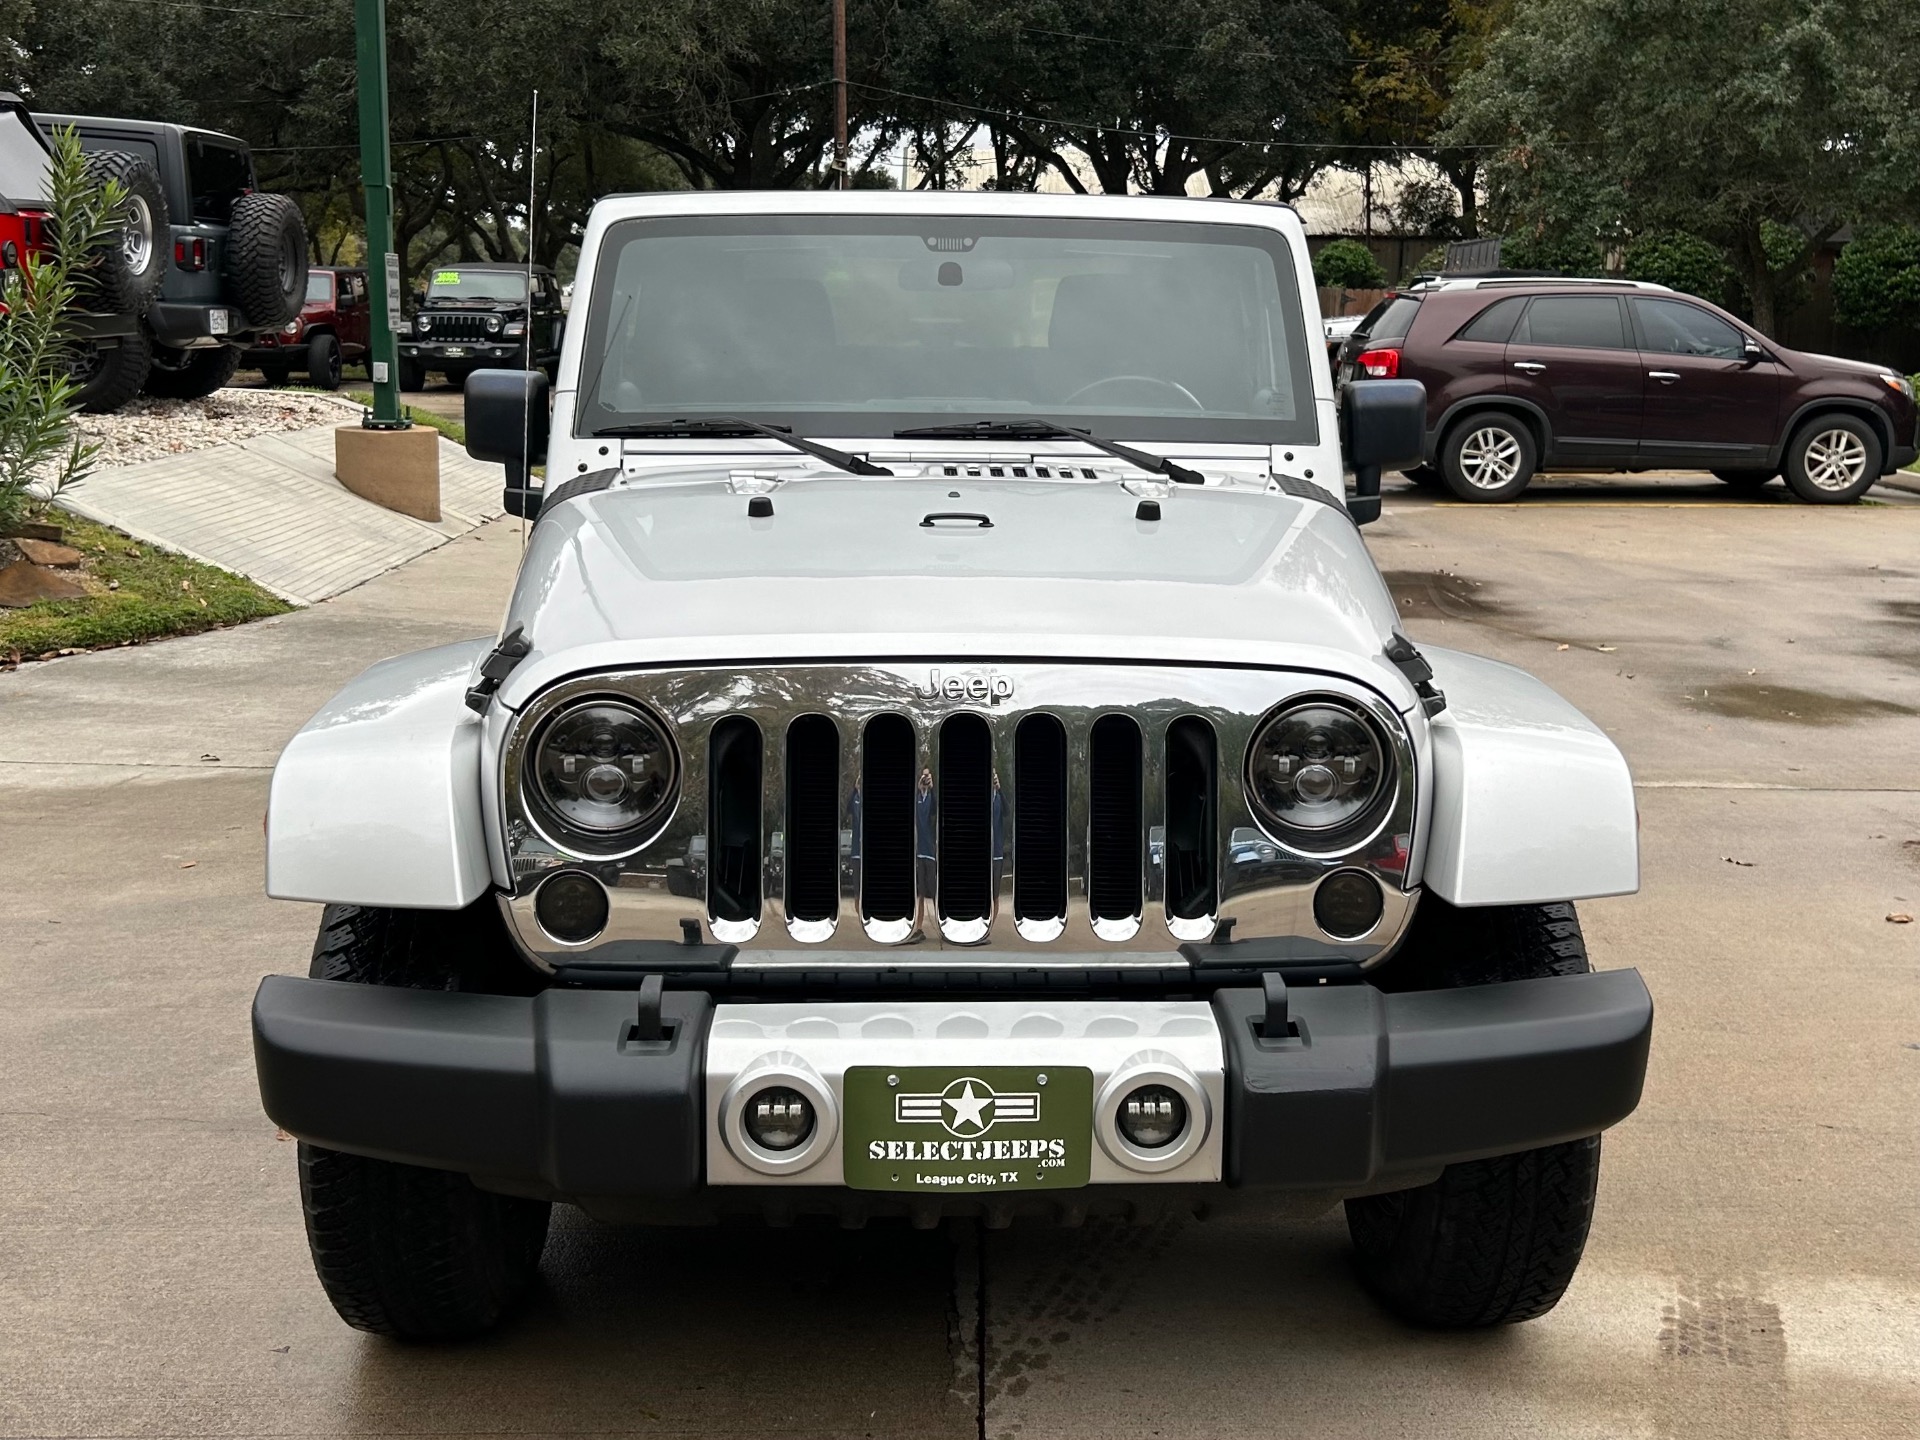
point(1364, 507)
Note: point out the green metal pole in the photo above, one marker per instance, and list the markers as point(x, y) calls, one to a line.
point(376, 174)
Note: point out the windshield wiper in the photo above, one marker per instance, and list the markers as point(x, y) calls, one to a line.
point(1052, 430)
point(723, 425)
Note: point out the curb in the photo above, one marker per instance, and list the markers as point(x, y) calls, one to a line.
point(1904, 480)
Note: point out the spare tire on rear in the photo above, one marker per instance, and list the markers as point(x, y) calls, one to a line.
point(267, 259)
point(127, 267)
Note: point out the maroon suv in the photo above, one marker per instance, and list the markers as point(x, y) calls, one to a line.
point(1531, 375)
point(330, 331)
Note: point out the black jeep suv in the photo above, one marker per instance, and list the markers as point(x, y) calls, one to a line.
point(235, 259)
point(482, 316)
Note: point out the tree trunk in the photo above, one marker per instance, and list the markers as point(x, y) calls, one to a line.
point(1757, 277)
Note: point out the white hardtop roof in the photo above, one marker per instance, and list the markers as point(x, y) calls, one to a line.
point(946, 204)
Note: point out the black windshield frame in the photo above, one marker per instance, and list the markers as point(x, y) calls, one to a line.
point(1301, 428)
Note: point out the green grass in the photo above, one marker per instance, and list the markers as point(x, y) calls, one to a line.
point(453, 429)
point(143, 594)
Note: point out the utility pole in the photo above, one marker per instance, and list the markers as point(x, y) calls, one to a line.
point(840, 94)
point(376, 174)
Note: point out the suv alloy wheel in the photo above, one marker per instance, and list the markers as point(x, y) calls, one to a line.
point(1488, 457)
point(1833, 459)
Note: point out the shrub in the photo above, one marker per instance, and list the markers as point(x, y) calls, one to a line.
point(1348, 265)
point(1876, 280)
point(1682, 262)
point(1552, 254)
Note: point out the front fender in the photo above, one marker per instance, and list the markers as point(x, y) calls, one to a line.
point(377, 800)
point(1531, 801)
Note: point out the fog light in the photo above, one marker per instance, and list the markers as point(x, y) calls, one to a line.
point(571, 907)
point(778, 1119)
point(1152, 1117)
point(1348, 904)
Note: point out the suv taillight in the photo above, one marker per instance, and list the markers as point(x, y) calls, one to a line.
point(1379, 364)
point(190, 254)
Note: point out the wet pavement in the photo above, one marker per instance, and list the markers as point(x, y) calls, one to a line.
point(1754, 1269)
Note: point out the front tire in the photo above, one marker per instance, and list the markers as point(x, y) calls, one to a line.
point(190, 374)
point(402, 1250)
point(1833, 460)
point(1492, 1241)
point(1488, 458)
point(413, 375)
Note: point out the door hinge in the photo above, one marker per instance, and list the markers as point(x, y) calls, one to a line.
point(512, 649)
point(1412, 664)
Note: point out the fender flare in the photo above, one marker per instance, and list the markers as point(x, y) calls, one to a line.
point(1852, 405)
point(1532, 803)
point(376, 801)
point(1526, 409)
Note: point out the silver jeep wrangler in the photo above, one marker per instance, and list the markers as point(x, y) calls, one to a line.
point(948, 754)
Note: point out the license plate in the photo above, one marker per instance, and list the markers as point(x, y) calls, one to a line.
point(454, 350)
point(991, 1127)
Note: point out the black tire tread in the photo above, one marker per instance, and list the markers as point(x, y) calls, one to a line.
point(323, 361)
point(401, 1250)
point(119, 374)
point(259, 227)
point(1793, 469)
point(114, 287)
point(1530, 449)
point(1493, 1241)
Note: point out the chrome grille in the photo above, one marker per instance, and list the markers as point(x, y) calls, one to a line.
point(1119, 819)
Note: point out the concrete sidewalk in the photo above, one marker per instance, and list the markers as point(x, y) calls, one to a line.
point(269, 508)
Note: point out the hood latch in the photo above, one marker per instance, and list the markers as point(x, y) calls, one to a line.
point(512, 649)
point(1412, 664)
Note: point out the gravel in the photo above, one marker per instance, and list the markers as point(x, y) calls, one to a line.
point(147, 429)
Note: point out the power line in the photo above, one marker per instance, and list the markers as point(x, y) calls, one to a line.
point(1100, 127)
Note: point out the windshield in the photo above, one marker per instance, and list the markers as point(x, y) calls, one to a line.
point(319, 286)
point(864, 325)
point(478, 285)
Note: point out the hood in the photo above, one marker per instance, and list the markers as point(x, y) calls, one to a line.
point(675, 571)
point(1835, 364)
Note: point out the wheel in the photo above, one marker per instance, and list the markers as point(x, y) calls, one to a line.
point(457, 378)
point(275, 375)
point(1425, 476)
point(413, 375)
point(323, 361)
point(1495, 1241)
point(1488, 457)
point(111, 375)
point(401, 1250)
point(1746, 479)
point(132, 262)
point(1833, 459)
point(267, 259)
point(190, 374)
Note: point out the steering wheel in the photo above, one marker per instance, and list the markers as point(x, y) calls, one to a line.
point(1185, 394)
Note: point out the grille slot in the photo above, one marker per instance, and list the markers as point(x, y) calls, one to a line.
point(1192, 880)
point(883, 834)
point(1113, 812)
point(813, 819)
point(1040, 819)
point(733, 829)
point(964, 806)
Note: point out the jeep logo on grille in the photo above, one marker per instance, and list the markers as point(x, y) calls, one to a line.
point(988, 685)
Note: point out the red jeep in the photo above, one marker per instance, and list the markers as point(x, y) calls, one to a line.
point(330, 331)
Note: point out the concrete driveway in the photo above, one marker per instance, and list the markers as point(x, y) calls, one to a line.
point(1754, 1270)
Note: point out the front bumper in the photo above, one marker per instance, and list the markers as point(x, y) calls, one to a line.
point(553, 1095)
point(432, 354)
point(1901, 457)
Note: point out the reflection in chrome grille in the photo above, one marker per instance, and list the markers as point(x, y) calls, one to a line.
point(883, 819)
point(813, 819)
point(1113, 840)
point(733, 832)
point(967, 807)
point(1191, 883)
point(1040, 819)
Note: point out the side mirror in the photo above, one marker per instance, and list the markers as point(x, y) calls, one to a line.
point(1753, 352)
point(1383, 427)
point(507, 424)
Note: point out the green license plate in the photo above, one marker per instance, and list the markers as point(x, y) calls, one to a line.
point(991, 1127)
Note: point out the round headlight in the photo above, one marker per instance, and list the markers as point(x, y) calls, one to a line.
point(493, 323)
point(603, 767)
point(1317, 767)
